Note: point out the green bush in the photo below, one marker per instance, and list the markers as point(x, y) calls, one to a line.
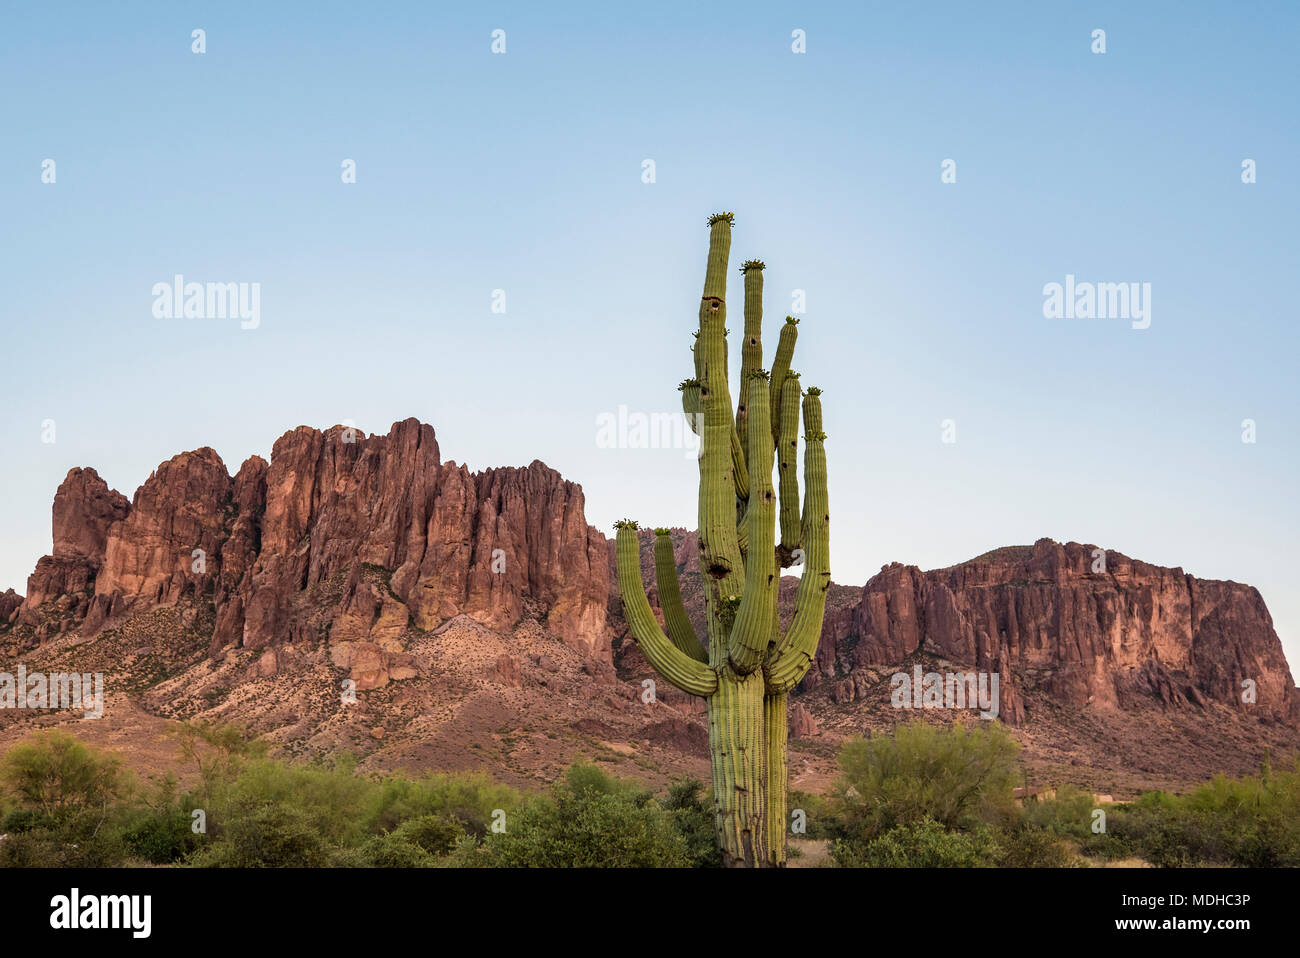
point(1251, 822)
point(161, 836)
point(953, 776)
point(383, 851)
point(57, 776)
point(590, 820)
point(692, 815)
point(272, 836)
point(922, 844)
point(434, 834)
point(470, 798)
point(1028, 846)
point(1067, 814)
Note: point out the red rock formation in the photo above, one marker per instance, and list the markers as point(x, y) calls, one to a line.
point(172, 537)
point(85, 510)
point(9, 603)
point(442, 541)
point(802, 724)
point(451, 541)
point(1041, 618)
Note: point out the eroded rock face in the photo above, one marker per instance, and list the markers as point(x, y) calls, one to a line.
point(9, 603)
point(417, 541)
point(448, 541)
point(173, 534)
point(802, 724)
point(1040, 615)
point(85, 510)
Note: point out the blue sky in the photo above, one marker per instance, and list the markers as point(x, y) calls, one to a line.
point(522, 172)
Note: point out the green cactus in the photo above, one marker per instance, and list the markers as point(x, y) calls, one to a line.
point(748, 665)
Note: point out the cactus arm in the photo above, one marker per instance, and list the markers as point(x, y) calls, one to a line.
point(674, 665)
point(751, 351)
point(679, 625)
point(715, 272)
point(812, 411)
point(691, 405)
point(781, 367)
point(740, 474)
point(793, 654)
point(752, 631)
point(787, 452)
point(720, 560)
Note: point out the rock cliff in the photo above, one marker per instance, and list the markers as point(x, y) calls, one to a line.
point(442, 540)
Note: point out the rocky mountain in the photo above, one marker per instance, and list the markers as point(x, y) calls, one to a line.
point(476, 618)
point(1106, 634)
point(326, 507)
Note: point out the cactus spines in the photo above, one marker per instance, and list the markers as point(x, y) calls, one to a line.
point(749, 664)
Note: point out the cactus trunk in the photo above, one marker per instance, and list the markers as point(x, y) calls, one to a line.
point(738, 752)
point(750, 665)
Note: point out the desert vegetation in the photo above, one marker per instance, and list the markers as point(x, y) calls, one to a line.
point(921, 797)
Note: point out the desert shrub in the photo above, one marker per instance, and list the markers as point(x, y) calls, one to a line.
point(436, 835)
point(31, 848)
point(1024, 845)
point(922, 844)
point(1250, 822)
point(272, 836)
point(328, 797)
point(383, 851)
point(590, 820)
point(160, 836)
point(58, 777)
point(953, 776)
point(692, 815)
point(1068, 814)
point(470, 798)
point(21, 820)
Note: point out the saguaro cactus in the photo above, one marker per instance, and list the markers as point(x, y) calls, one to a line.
point(749, 664)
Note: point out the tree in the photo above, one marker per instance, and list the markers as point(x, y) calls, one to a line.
point(954, 776)
point(58, 776)
point(749, 665)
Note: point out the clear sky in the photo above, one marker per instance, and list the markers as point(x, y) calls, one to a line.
point(522, 172)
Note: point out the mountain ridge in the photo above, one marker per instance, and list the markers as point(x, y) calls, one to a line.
point(360, 559)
